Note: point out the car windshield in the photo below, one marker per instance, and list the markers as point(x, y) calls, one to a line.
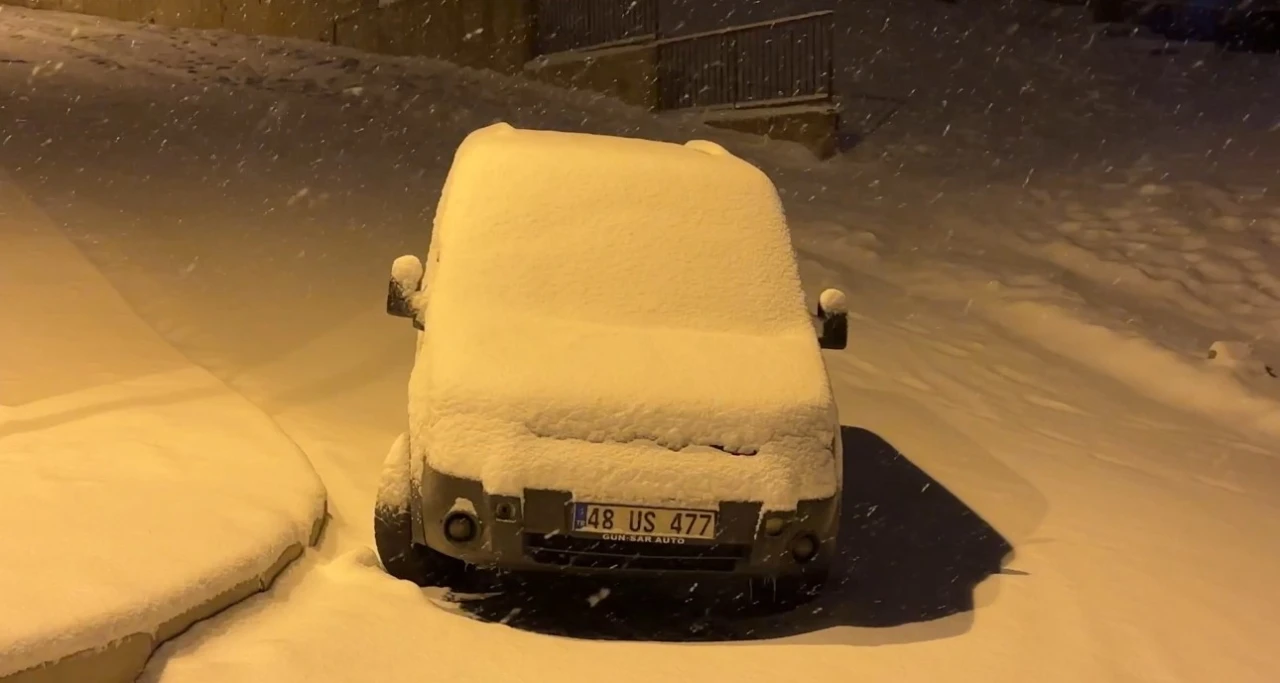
point(616, 231)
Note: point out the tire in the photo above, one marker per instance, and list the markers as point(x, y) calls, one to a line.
point(409, 561)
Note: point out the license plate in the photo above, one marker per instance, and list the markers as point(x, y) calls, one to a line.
point(629, 523)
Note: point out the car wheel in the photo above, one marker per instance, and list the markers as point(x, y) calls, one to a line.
point(409, 561)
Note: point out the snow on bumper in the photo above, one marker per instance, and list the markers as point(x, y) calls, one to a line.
point(532, 532)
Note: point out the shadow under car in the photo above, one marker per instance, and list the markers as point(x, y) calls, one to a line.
point(909, 551)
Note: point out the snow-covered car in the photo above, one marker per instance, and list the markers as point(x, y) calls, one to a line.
point(616, 371)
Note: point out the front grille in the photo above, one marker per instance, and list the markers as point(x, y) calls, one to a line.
point(574, 551)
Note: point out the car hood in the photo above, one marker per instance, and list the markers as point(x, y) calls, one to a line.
point(510, 460)
point(597, 383)
point(599, 400)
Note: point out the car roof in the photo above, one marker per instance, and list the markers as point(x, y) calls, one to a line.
point(611, 230)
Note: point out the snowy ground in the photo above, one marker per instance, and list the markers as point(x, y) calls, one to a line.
point(1031, 341)
point(139, 492)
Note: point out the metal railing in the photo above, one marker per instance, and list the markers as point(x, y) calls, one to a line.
point(563, 25)
point(786, 60)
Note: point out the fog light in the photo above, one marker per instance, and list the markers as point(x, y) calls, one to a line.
point(774, 525)
point(459, 527)
point(505, 512)
point(804, 547)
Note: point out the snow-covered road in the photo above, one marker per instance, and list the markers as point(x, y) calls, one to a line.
point(1030, 346)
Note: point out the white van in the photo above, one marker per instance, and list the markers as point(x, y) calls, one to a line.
point(616, 371)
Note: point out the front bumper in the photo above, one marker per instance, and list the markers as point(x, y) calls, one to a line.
point(535, 536)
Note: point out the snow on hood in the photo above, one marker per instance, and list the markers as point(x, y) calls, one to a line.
point(598, 410)
point(509, 460)
point(596, 383)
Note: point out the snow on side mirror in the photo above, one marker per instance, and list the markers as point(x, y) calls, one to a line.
point(406, 281)
point(833, 311)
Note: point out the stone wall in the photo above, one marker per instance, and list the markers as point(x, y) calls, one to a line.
point(494, 34)
point(628, 73)
point(816, 126)
point(490, 34)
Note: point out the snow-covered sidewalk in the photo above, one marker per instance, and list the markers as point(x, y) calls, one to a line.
point(137, 492)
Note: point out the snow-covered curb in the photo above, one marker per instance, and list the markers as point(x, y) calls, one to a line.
point(124, 659)
point(138, 493)
point(143, 507)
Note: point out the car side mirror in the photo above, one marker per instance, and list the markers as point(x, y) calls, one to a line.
point(833, 311)
point(403, 289)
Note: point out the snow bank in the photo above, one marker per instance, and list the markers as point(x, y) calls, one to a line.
point(1118, 285)
point(135, 504)
point(1038, 310)
point(347, 621)
point(1143, 365)
point(600, 302)
point(138, 494)
point(1215, 266)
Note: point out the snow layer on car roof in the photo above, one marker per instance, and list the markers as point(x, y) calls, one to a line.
point(601, 229)
point(600, 302)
